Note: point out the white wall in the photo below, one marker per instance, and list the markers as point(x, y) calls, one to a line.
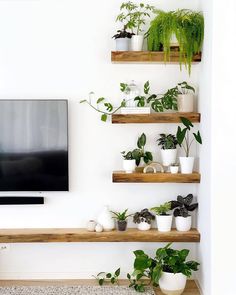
point(62, 49)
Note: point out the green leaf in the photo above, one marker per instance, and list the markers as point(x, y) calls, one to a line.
point(113, 280)
point(181, 135)
point(101, 282)
point(146, 87)
point(108, 106)
point(117, 272)
point(123, 103)
point(104, 117)
point(82, 101)
point(187, 123)
point(100, 100)
point(108, 275)
point(141, 141)
point(198, 137)
point(128, 276)
point(123, 86)
point(183, 254)
point(142, 262)
point(138, 252)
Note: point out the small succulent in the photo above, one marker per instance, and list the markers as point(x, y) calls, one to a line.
point(121, 215)
point(183, 205)
point(167, 141)
point(162, 209)
point(143, 216)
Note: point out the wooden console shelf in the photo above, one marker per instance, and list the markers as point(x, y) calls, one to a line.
point(61, 235)
point(139, 177)
point(147, 57)
point(154, 118)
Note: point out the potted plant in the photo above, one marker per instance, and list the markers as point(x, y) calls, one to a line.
point(143, 219)
point(183, 137)
point(168, 143)
point(174, 168)
point(121, 218)
point(181, 208)
point(185, 98)
point(122, 38)
point(128, 162)
point(168, 269)
point(188, 28)
point(164, 220)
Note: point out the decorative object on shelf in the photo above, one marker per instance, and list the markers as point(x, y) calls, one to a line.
point(185, 98)
point(91, 225)
point(122, 38)
point(131, 91)
point(108, 277)
point(144, 219)
point(121, 218)
point(134, 17)
point(168, 269)
point(168, 143)
point(98, 228)
point(135, 110)
point(174, 168)
point(152, 168)
point(164, 220)
point(181, 212)
point(183, 137)
point(106, 220)
point(186, 25)
point(129, 162)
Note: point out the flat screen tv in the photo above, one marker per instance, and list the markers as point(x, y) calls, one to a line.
point(34, 145)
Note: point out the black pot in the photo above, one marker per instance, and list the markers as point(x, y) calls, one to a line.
point(122, 225)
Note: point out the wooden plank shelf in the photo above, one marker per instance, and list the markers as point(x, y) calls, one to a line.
point(62, 235)
point(154, 118)
point(139, 177)
point(147, 57)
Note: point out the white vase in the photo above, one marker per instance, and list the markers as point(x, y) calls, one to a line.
point(174, 169)
point(136, 43)
point(91, 225)
point(105, 219)
point(122, 44)
point(129, 166)
point(98, 228)
point(164, 222)
point(168, 156)
point(186, 164)
point(144, 225)
point(183, 223)
point(185, 102)
point(172, 284)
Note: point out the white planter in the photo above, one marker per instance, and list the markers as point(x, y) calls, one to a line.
point(105, 219)
point(129, 166)
point(185, 102)
point(172, 284)
point(144, 225)
point(164, 222)
point(173, 41)
point(122, 44)
point(91, 225)
point(183, 223)
point(136, 43)
point(174, 169)
point(168, 156)
point(186, 164)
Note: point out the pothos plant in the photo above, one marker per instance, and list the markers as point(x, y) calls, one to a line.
point(183, 135)
point(139, 153)
point(108, 277)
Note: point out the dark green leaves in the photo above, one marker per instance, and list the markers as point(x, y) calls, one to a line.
point(141, 141)
point(100, 100)
point(108, 106)
point(103, 277)
point(104, 117)
point(146, 87)
point(198, 137)
point(140, 100)
point(187, 123)
point(123, 86)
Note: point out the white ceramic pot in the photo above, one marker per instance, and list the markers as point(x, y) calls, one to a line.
point(168, 156)
point(186, 164)
point(144, 225)
point(172, 284)
point(185, 102)
point(183, 223)
point(122, 44)
point(173, 41)
point(136, 43)
point(98, 228)
point(174, 169)
point(91, 225)
point(129, 166)
point(105, 219)
point(164, 222)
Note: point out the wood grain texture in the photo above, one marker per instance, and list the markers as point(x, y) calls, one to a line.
point(191, 286)
point(139, 177)
point(147, 57)
point(61, 235)
point(154, 118)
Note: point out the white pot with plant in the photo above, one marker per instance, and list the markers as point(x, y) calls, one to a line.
point(169, 269)
point(185, 98)
point(143, 219)
point(168, 143)
point(183, 137)
point(182, 207)
point(174, 168)
point(129, 164)
point(163, 218)
point(121, 218)
point(122, 39)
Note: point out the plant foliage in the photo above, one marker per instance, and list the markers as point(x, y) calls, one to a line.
point(143, 216)
point(121, 215)
point(162, 209)
point(167, 141)
point(183, 205)
point(107, 277)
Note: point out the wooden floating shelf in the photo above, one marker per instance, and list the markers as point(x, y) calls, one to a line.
point(154, 118)
point(139, 177)
point(62, 235)
point(147, 57)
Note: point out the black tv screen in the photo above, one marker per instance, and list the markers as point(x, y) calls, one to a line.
point(34, 145)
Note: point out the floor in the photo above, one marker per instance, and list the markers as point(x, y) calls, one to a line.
point(191, 288)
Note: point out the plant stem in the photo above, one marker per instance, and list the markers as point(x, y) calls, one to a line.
point(106, 113)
